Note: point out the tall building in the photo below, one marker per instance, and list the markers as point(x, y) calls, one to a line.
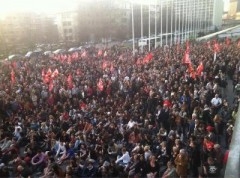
point(105, 19)
point(24, 30)
point(67, 24)
point(205, 14)
point(234, 10)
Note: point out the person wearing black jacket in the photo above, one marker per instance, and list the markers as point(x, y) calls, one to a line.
point(194, 161)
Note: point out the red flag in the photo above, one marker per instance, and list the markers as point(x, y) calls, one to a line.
point(69, 81)
point(191, 71)
point(200, 69)
point(100, 85)
point(216, 46)
point(49, 72)
point(84, 54)
point(148, 58)
point(100, 52)
point(55, 73)
point(13, 78)
point(186, 58)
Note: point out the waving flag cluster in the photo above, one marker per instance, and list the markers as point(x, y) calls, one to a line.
point(145, 60)
point(186, 60)
point(68, 58)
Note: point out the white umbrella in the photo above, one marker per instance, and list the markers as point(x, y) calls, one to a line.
point(29, 53)
point(58, 51)
point(73, 49)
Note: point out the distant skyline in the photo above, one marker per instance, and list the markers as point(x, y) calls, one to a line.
point(46, 6)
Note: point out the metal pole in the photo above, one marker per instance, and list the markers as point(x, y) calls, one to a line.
point(133, 31)
point(175, 23)
point(155, 23)
point(141, 25)
point(179, 22)
point(171, 22)
point(183, 21)
point(205, 20)
point(167, 24)
point(186, 21)
point(198, 21)
point(149, 27)
point(161, 22)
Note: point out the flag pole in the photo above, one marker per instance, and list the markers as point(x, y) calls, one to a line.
point(179, 23)
point(141, 25)
point(171, 22)
point(149, 28)
point(205, 20)
point(155, 23)
point(175, 23)
point(167, 24)
point(191, 24)
point(198, 21)
point(196, 13)
point(133, 31)
point(188, 19)
point(161, 23)
point(182, 21)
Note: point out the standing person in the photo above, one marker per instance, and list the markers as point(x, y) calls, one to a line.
point(152, 168)
point(181, 163)
point(211, 169)
point(171, 171)
point(216, 104)
point(124, 159)
point(194, 158)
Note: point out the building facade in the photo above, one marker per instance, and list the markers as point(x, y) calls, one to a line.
point(23, 30)
point(67, 24)
point(234, 10)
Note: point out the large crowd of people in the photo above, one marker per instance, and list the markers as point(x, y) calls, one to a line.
point(109, 113)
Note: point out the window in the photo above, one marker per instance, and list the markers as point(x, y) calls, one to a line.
point(238, 6)
point(65, 23)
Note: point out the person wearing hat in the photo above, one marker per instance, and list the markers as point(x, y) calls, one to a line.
point(210, 133)
point(207, 148)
